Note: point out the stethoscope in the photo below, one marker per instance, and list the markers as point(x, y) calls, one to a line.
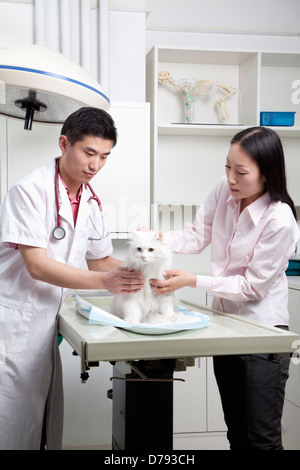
point(59, 232)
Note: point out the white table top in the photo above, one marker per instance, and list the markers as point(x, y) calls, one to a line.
point(228, 334)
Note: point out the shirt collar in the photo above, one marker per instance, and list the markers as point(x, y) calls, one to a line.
point(256, 209)
point(78, 195)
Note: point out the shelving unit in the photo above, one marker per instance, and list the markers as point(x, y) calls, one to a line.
point(191, 157)
point(221, 130)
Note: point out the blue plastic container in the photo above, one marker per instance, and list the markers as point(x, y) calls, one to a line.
point(293, 268)
point(272, 118)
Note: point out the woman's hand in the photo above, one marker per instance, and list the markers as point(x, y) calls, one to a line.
point(175, 279)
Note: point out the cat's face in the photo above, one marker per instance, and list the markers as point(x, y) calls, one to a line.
point(146, 247)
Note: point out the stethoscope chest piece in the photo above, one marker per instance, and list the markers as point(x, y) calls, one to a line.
point(58, 233)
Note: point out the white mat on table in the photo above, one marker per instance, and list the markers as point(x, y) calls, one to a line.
point(186, 320)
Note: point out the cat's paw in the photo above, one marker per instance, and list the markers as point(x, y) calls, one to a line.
point(132, 318)
point(170, 316)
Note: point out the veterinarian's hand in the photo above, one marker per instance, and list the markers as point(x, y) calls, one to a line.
point(124, 281)
point(175, 279)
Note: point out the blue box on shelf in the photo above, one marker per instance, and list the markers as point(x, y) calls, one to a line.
point(277, 118)
point(293, 268)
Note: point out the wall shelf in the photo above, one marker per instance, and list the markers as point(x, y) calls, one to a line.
point(214, 129)
point(198, 129)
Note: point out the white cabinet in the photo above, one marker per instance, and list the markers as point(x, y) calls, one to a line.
point(198, 414)
point(190, 399)
point(123, 183)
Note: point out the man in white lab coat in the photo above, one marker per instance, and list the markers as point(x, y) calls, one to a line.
point(38, 264)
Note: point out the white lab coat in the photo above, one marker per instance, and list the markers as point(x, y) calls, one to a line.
point(30, 369)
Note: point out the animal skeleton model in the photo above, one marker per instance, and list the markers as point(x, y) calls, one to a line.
point(192, 89)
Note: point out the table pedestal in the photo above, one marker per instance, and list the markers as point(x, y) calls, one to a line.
point(143, 406)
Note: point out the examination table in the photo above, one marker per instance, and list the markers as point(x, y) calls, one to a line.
point(143, 365)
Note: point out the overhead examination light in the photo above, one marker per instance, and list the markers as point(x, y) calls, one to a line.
point(39, 84)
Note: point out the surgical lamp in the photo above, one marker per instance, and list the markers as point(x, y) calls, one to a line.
point(39, 84)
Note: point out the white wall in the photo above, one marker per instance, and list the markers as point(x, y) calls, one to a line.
point(259, 17)
point(127, 56)
point(246, 24)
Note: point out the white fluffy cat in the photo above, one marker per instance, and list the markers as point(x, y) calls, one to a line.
point(149, 255)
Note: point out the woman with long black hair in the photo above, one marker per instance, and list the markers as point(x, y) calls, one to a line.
point(249, 220)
